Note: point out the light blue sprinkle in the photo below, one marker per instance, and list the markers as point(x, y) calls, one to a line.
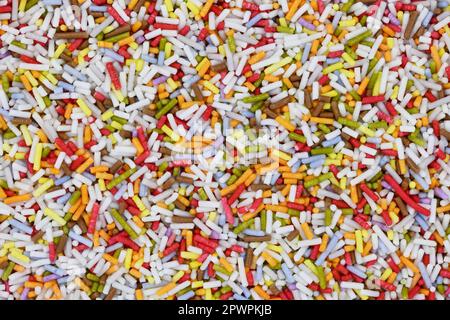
point(88, 176)
point(421, 221)
point(255, 233)
point(64, 198)
point(113, 55)
point(143, 190)
point(357, 271)
point(336, 19)
point(77, 74)
point(254, 20)
point(427, 19)
point(62, 180)
point(148, 59)
point(425, 275)
point(287, 273)
point(332, 60)
point(275, 178)
point(316, 163)
point(98, 8)
point(239, 297)
point(54, 270)
point(63, 280)
point(161, 58)
point(332, 142)
point(245, 291)
point(120, 192)
point(21, 226)
point(52, 2)
point(313, 158)
point(80, 239)
point(17, 96)
point(296, 166)
point(186, 296)
point(306, 52)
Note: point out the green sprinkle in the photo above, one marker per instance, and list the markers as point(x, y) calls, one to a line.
point(231, 43)
point(166, 108)
point(328, 216)
point(293, 212)
point(75, 196)
point(256, 106)
point(114, 182)
point(8, 271)
point(30, 4)
point(322, 151)
point(163, 166)
point(347, 211)
point(9, 134)
point(351, 53)
point(324, 128)
point(372, 64)
point(221, 269)
point(378, 125)
point(242, 226)
point(202, 194)
point(321, 276)
point(311, 183)
point(259, 81)
point(346, 6)
point(263, 219)
point(231, 180)
point(359, 38)
point(118, 37)
point(355, 95)
point(405, 293)
point(253, 99)
point(118, 217)
point(297, 137)
point(120, 120)
point(349, 123)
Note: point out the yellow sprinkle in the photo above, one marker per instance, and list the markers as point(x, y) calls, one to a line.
point(226, 264)
point(173, 135)
point(195, 10)
point(359, 241)
point(348, 59)
point(107, 114)
point(281, 154)
point(203, 66)
point(127, 261)
point(83, 106)
point(189, 255)
point(208, 85)
point(19, 256)
point(41, 189)
point(30, 78)
point(277, 65)
point(366, 131)
point(39, 99)
point(386, 274)
point(172, 84)
point(52, 214)
point(37, 157)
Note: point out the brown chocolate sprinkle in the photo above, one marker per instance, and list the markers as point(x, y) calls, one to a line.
point(71, 35)
point(256, 239)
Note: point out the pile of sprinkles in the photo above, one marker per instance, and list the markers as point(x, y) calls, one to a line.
point(224, 149)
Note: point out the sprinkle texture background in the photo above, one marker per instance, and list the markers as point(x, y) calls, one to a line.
point(234, 150)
